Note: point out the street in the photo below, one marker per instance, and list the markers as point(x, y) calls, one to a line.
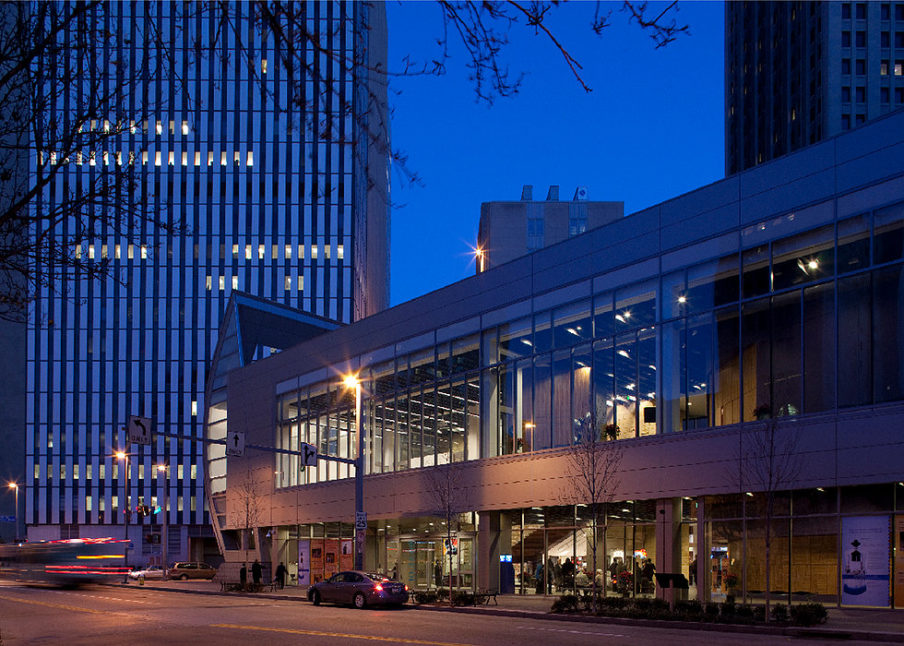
point(107, 615)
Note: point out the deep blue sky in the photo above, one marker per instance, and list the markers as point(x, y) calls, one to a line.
point(651, 129)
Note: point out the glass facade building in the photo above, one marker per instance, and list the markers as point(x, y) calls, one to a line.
point(269, 205)
point(740, 347)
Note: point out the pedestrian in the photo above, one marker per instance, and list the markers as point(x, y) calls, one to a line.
point(281, 575)
point(395, 572)
point(538, 577)
point(256, 572)
point(243, 576)
point(437, 574)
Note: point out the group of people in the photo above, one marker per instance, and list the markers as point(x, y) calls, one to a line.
point(554, 576)
point(257, 574)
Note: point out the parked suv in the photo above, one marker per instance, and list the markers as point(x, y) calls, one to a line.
point(192, 570)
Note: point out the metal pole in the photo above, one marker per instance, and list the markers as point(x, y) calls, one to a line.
point(359, 481)
point(128, 510)
point(16, 516)
point(164, 538)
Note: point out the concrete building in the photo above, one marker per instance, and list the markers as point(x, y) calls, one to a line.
point(800, 72)
point(740, 347)
point(512, 229)
point(272, 207)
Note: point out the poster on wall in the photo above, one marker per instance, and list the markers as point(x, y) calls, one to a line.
point(330, 557)
point(316, 561)
point(304, 562)
point(347, 558)
point(864, 562)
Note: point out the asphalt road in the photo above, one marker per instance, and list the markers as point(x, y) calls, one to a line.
point(133, 616)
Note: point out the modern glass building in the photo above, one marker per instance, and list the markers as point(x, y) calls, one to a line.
point(270, 205)
point(741, 347)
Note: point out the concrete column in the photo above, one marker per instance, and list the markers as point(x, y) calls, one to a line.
point(704, 552)
point(668, 541)
point(494, 537)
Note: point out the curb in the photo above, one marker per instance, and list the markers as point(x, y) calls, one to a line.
point(790, 631)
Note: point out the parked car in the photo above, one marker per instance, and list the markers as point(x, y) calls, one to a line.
point(359, 589)
point(150, 572)
point(192, 570)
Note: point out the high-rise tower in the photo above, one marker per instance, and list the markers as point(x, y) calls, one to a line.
point(799, 72)
point(276, 174)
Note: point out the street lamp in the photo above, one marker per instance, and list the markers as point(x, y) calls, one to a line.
point(122, 455)
point(15, 487)
point(164, 537)
point(530, 426)
point(352, 381)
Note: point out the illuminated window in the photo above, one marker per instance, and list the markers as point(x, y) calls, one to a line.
point(131, 253)
point(87, 503)
point(194, 409)
point(132, 127)
point(114, 500)
point(118, 158)
point(899, 68)
point(223, 158)
point(301, 283)
point(288, 252)
point(171, 158)
point(91, 251)
point(106, 157)
point(194, 470)
point(159, 127)
point(250, 160)
point(235, 285)
point(263, 66)
point(210, 158)
point(340, 251)
point(179, 504)
point(103, 471)
point(87, 471)
point(237, 158)
point(117, 252)
point(172, 127)
point(131, 158)
point(260, 252)
point(106, 125)
point(288, 285)
point(274, 252)
point(222, 283)
point(157, 158)
point(180, 472)
point(141, 472)
point(247, 252)
point(301, 252)
point(326, 251)
point(185, 158)
point(78, 251)
point(92, 158)
point(185, 127)
point(75, 472)
point(235, 251)
point(144, 252)
point(144, 157)
point(103, 251)
point(78, 158)
point(197, 158)
point(207, 283)
point(313, 252)
point(192, 500)
point(37, 472)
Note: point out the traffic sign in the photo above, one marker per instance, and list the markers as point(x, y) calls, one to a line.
point(360, 520)
point(235, 444)
point(308, 455)
point(140, 430)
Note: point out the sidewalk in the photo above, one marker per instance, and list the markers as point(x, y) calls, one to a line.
point(863, 624)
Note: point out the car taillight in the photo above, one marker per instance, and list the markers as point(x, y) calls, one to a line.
point(378, 587)
point(406, 587)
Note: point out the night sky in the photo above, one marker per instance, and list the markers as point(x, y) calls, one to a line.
point(651, 129)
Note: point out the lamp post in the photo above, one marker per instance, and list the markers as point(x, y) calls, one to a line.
point(352, 381)
point(164, 536)
point(122, 455)
point(15, 487)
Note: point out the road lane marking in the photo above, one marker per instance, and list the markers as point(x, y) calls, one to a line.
point(318, 633)
point(59, 606)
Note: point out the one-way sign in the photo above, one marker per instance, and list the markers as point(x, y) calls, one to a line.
point(140, 430)
point(235, 444)
point(308, 455)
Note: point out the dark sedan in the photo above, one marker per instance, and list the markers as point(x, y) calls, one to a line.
point(359, 589)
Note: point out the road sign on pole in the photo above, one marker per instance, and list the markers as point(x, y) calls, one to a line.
point(140, 430)
point(361, 520)
point(235, 444)
point(308, 455)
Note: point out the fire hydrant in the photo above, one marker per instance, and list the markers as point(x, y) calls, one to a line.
point(141, 580)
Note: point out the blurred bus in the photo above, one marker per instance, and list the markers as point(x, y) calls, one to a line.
point(64, 562)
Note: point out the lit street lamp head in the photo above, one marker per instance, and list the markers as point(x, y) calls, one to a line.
point(351, 381)
point(119, 455)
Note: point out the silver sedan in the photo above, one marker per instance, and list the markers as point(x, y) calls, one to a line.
point(359, 589)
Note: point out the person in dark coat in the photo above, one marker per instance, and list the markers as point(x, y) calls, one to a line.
point(281, 575)
point(243, 575)
point(437, 574)
point(256, 572)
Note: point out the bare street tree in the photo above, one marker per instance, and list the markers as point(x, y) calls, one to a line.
point(593, 477)
point(247, 511)
point(770, 463)
point(449, 502)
